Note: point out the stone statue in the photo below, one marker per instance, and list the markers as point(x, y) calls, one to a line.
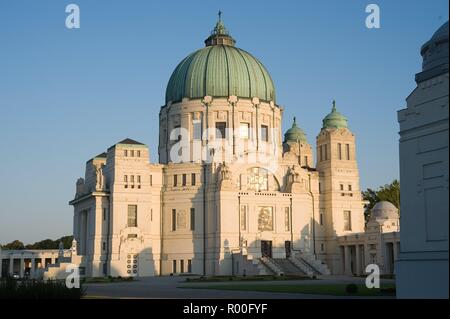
point(295, 174)
point(99, 177)
point(225, 173)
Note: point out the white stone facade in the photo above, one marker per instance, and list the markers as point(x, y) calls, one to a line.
point(423, 263)
point(223, 216)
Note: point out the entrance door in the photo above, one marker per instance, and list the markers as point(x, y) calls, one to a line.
point(266, 248)
point(287, 246)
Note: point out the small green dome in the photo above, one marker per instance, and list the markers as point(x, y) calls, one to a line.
point(334, 119)
point(295, 134)
point(220, 70)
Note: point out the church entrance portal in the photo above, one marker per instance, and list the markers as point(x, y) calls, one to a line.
point(266, 248)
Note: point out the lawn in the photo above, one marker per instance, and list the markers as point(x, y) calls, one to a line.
point(105, 280)
point(247, 278)
point(318, 289)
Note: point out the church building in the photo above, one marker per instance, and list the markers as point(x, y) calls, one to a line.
point(229, 194)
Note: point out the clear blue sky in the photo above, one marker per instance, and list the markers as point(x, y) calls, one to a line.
point(67, 95)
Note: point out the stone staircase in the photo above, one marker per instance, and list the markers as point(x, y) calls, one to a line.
point(288, 267)
point(272, 265)
point(310, 264)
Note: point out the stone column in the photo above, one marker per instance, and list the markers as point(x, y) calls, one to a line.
point(347, 258)
point(367, 260)
point(395, 248)
point(33, 266)
point(11, 264)
point(22, 267)
point(358, 260)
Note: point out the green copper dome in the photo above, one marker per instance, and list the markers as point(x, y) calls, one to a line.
point(295, 134)
point(334, 119)
point(220, 70)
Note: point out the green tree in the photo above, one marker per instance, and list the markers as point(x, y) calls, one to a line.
point(389, 192)
point(14, 245)
point(67, 241)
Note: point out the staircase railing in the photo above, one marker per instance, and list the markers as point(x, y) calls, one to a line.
point(302, 265)
point(272, 265)
point(315, 263)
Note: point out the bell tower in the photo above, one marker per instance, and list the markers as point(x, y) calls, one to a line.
point(341, 207)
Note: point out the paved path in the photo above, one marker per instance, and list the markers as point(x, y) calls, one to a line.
point(169, 287)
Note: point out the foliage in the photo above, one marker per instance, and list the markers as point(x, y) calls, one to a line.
point(388, 192)
point(351, 289)
point(14, 245)
point(43, 244)
point(33, 289)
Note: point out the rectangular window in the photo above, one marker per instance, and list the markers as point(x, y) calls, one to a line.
point(151, 180)
point(244, 131)
point(340, 151)
point(132, 153)
point(326, 151)
point(320, 188)
point(174, 266)
point(151, 215)
point(189, 265)
point(341, 187)
point(349, 187)
point(306, 161)
point(125, 153)
point(221, 130)
point(174, 219)
point(264, 133)
point(347, 146)
point(104, 214)
point(132, 215)
point(181, 266)
point(347, 220)
point(243, 217)
point(321, 152)
point(287, 219)
point(175, 180)
point(104, 246)
point(197, 129)
point(138, 153)
point(322, 247)
point(193, 179)
point(125, 179)
point(184, 179)
point(192, 218)
point(321, 219)
point(139, 179)
point(132, 178)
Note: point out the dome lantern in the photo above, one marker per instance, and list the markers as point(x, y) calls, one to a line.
point(220, 34)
